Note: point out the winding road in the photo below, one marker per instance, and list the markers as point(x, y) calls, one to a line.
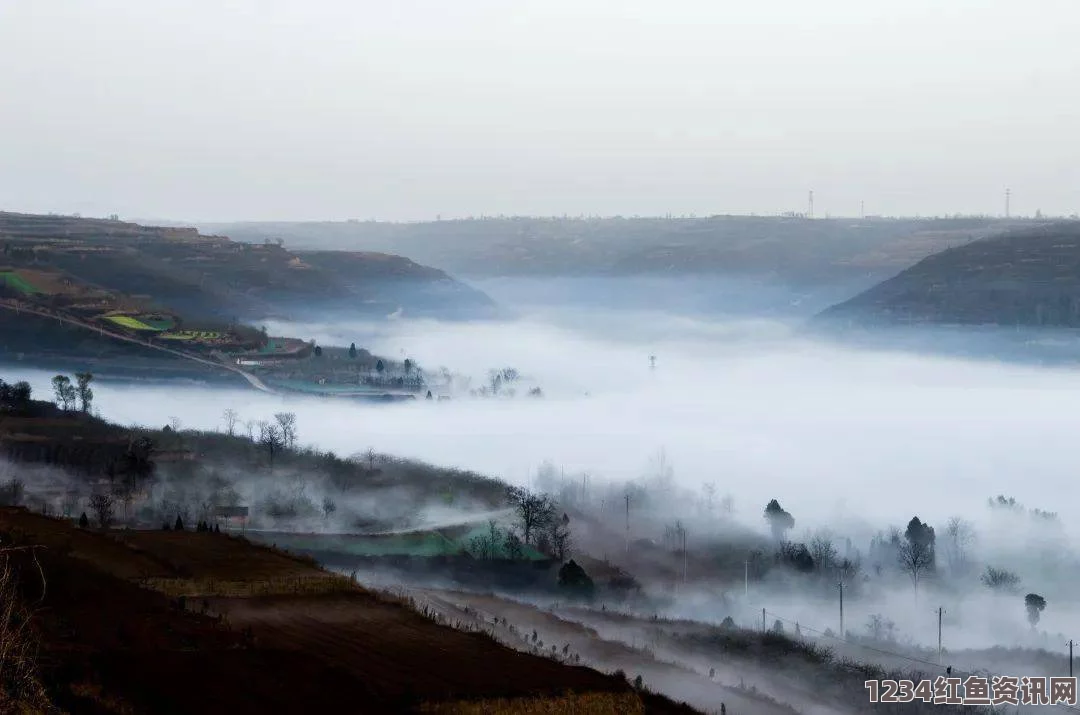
point(17, 307)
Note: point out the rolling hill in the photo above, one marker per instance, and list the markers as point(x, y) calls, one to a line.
point(1028, 277)
point(121, 621)
point(213, 277)
point(793, 250)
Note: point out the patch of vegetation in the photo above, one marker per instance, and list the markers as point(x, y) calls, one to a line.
point(126, 321)
point(16, 282)
point(192, 335)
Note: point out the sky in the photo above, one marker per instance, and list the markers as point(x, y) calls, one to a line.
point(212, 110)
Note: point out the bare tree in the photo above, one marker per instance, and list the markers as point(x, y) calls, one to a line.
point(102, 506)
point(328, 508)
point(881, 629)
point(126, 493)
point(512, 545)
point(1000, 580)
point(232, 417)
point(69, 504)
point(915, 558)
point(959, 535)
point(558, 537)
point(287, 424)
point(65, 392)
point(823, 550)
point(371, 456)
point(534, 511)
point(250, 426)
point(710, 496)
point(175, 424)
point(85, 394)
point(271, 439)
point(664, 474)
point(486, 546)
point(12, 492)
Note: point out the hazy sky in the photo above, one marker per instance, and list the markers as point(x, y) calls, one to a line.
point(216, 110)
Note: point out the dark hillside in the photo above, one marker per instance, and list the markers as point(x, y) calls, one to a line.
point(100, 639)
point(1028, 277)
point(382, 279)
point(205, 277)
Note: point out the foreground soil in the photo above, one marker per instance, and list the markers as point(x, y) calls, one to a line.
point(114, 636)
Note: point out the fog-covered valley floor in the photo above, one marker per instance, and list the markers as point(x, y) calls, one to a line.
point(850, 441)
point(750, 406)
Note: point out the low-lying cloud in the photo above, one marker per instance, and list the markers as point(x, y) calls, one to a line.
point(757, 409)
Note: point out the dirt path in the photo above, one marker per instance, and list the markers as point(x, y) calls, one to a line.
point(675, 680)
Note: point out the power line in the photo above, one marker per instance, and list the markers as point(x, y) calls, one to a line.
point(902, 656)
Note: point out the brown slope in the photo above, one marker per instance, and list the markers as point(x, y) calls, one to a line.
point(1029, 277)
point(109, 646)
point(212, 276)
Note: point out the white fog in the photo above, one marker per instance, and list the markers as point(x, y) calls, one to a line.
point(762, 412)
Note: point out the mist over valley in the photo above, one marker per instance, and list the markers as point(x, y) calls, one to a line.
point(523, 358)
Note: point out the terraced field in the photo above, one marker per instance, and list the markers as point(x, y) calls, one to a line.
point(116, 637)
point(385, 648)
point(126, 321)
point(192, 335)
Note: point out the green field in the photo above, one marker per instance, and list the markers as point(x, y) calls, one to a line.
point(430, 543)
point(154, 324)
point(160, 323)
point(417, 543)
point(17, 282)
point(126, 321)
point(327, 389)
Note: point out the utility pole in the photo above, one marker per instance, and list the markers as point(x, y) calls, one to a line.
point(746, 578)
point(684, 554)
point(841, 585)
point(762, 620)
point(628, 523)
point(1070, 658)
point(862, 209)
point(940, 612)
point(811, 214)
point(1008, 200)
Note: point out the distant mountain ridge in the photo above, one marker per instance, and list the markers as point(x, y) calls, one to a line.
point(790, 250)
point(1028, 277)
point(205, 275)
